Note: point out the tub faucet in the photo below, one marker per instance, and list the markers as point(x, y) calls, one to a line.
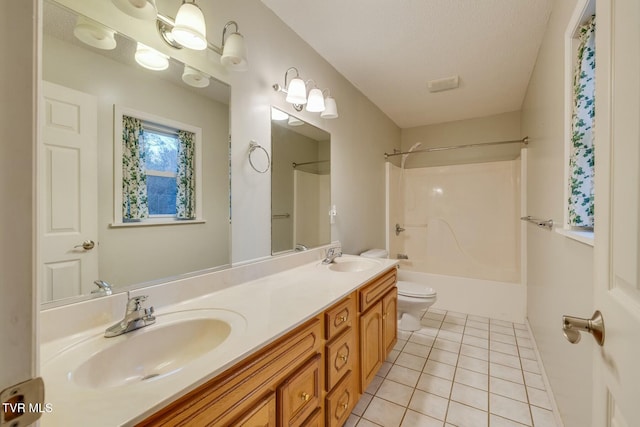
point(332, 254)
point(135, 317)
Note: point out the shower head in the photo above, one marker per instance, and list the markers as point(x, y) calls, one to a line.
point(404, 156)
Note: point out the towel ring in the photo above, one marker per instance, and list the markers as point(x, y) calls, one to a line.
point(252, 147)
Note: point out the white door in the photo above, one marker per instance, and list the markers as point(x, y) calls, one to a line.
point(68, 184)
point(616, 401)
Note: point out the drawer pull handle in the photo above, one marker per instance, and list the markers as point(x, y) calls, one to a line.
point(305, 396)
point(342, 319)
point(343, 357)
point(384, 316)
point(344, 405)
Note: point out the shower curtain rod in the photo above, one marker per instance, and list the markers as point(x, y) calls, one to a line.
point(294, 164)
point(524, 141)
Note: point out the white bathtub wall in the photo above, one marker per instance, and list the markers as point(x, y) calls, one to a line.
point(395, 209)
point(463, 220)
point(487, 298)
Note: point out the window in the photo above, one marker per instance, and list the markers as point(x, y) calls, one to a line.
point(580, 123)
point(157, 170)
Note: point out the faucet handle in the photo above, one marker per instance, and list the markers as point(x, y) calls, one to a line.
point(135, 303)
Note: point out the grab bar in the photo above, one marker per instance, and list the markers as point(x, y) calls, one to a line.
point(542, 223)
point(280, 216)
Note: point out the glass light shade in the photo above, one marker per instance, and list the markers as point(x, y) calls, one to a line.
point(296, 92)
point(234, 54)
point(331, 109)
point(315, 103)
point(194, 78)
point(293, 121)
point(278, 115)
point(189, 29)
point(150, 58)
point(141, 9)
point(94, 34)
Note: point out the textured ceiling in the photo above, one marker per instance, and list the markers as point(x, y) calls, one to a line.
point(390, 49)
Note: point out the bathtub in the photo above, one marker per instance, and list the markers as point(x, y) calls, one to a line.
point(487, 298)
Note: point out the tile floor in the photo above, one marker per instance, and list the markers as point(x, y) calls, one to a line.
point(458, 370)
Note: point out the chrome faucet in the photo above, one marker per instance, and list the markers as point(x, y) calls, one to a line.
point(135, 317)
point(103, 288)
point(332, 254)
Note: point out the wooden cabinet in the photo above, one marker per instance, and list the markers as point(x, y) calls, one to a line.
point(378, 324)
point(311, 377)
point(235, 393)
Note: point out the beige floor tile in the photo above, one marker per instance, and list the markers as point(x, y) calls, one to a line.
point(470, 396)
point(403, 375)
point(473, 364)
point(384, 413)
point(510, 409)
point(465, 416)
point(415, 419)
point(395, 392)
point(508, 389)
point(472, 379)
point(438, 369)
point(429, 404)
point(435, 385)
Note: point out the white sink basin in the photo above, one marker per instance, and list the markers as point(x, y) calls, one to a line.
point(149, 353)
point(353, 265)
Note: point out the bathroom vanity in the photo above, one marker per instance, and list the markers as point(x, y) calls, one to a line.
point(301, 346)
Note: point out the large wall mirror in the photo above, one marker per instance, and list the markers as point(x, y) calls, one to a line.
point(300, 184)
point(79, 239)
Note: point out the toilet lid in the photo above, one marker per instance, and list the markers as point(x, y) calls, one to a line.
point(413, 289)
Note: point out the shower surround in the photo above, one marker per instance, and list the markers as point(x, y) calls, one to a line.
point(460, 221)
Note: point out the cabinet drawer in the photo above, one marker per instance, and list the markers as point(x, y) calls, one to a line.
point(263, 414)
point(340, 402)
point(341, 355)
point(299, 395)
point(315, 420)
point(379, 286)
point(339, 317)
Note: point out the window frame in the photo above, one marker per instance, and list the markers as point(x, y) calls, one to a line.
point(583, 11)
point(118, 221)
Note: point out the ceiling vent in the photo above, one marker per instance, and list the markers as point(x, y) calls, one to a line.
point(443, 84)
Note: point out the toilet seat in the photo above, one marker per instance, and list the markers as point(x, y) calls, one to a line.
point(415, 290)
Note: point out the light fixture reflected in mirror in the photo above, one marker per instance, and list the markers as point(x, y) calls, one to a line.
point(189, 28)
point(293, 121)
point(278, 115)
point(150, 58)
point(195, 78)
point(296, 91)
point(141, 9)
point(94, 34)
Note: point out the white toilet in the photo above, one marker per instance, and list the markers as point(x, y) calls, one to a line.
point(413, 298)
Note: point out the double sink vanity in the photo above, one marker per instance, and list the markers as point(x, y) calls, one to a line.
point(287, 341)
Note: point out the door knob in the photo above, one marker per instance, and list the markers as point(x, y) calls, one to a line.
point(572, 326)
point(87, 245)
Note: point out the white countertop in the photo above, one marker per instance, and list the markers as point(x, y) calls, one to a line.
point(268, 307)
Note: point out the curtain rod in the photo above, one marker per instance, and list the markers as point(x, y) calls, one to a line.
point(524, 141)
point(294, 164)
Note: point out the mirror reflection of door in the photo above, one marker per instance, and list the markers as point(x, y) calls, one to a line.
point(67, 154)
point(301, 184)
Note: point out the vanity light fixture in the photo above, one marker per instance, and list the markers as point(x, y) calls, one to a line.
point(94, 34)
point(150, 58)
point(233, 53)
point(189, 28)
point(315, 102)
point(330, 107)
point(141, 9)
point(194, 77)
point(296, 91)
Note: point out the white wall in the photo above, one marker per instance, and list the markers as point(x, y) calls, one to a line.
point(560, 273)
point(358, 138)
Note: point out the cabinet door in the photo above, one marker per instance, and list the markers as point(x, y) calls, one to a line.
point(390, 320)
point(371, 345)
point(299, 395)
point(261, 415)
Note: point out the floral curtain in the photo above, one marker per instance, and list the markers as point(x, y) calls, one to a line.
point(581, 161)
point(134, 178)
point(186, 178)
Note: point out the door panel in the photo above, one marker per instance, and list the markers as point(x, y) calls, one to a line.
point(617, 376)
